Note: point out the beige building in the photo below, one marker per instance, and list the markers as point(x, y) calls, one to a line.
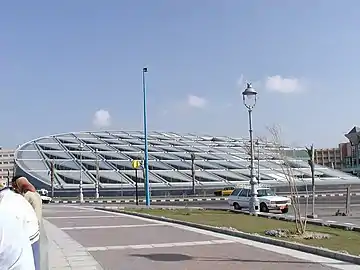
point(6, 164)
point(330, 157)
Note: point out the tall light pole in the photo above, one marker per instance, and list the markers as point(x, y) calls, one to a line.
point(249, 99)
point(193, 173)
point(146, 163)
point(81, 194)
point(97, 176)
point(258, 159)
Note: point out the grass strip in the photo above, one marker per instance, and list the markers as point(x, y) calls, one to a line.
point(340, 240)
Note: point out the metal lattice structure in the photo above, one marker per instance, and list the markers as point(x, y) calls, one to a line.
point(219, 161)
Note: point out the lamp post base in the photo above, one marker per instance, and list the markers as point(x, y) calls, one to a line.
point(254, 204)
point(81, 198)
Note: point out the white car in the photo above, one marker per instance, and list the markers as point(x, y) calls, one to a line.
point(44, 195)
point(268, 200)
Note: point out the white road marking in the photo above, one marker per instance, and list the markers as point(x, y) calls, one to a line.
point(109, 227)
point(81, 217)
point(330, 221)
point(272, 248)
point(162, 245)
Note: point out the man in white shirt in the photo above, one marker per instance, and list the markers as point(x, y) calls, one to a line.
point(15, 248)
point(15, 205)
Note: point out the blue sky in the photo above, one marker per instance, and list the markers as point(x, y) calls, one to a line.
point(62, 61)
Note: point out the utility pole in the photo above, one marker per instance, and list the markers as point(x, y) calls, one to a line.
point(97, 176)
point(311, 162)
point(258, 159)
point(52, 176)
point(193, 173)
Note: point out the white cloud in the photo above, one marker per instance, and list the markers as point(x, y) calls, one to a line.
point(283, 85)
point(195, 101)
point(240, 81)
point(102, 118)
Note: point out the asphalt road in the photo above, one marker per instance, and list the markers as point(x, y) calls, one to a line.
point(118, 241)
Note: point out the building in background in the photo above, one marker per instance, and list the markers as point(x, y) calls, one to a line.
point(345, 157)
point(329, 157)
point(6, 164)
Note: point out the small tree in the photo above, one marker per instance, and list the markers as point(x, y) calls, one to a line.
point(287, 166)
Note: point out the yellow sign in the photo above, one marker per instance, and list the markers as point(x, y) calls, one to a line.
point(136, 164)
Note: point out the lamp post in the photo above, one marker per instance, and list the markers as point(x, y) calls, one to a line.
point(249, 99)
point(81, 195)
point(193, 172)
point(258, 161)
point(97, 176)
point(146, 163)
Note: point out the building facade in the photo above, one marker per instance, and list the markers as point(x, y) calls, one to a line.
point(329, 157)
point(6, 165)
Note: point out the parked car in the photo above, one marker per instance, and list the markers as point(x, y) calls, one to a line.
point(44, 195)
point(268, 200)
point(224, 192)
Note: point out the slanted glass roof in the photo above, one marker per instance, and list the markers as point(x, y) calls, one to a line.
point(220, 160)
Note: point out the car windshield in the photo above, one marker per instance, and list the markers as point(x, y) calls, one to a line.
point(265, 192)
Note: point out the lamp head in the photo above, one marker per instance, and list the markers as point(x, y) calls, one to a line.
point(249, 96)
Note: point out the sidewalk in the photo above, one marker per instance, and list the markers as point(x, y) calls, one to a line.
point(65, 253)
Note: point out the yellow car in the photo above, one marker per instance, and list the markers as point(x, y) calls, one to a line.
point(224, 192)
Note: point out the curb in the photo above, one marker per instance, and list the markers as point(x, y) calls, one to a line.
point(142, 201)
point(207, 199)
point(267, 240)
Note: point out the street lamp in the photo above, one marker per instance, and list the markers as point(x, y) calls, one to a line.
point(81, 195)
point(146, 163)
point(97, 176)
point(249, 99)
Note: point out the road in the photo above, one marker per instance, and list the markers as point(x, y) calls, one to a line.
point(117, 241)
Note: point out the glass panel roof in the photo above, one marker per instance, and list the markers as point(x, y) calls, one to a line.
point(75, 175)
point(112, 175)
point(228, 164)
point(92, 141)
point(152, 178)
point(205, 175)
point(207, 165)
point(122, 164)
point(47, 140)
point(84, 154)
point(111, 155)
point(126, 148)
point(165, 156)
point(102, 164)
point(231, 176)
point(66, 165)
point(33, 165)
point(174, 176)
point(157, 165)
point(135, 142)
point(186, 156)
point(84, 135)
point(28, 147)
point(52, 146)
point(59, 154)
point(29, 155)
point(168, 148)
point(134, 155)
point(100, 147)
point(178, 164)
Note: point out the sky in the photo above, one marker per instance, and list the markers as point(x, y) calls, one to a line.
point(76, 66)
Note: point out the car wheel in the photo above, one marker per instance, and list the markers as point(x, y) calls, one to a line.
point(264, 208)
point(237, 206)
point(285, 210)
